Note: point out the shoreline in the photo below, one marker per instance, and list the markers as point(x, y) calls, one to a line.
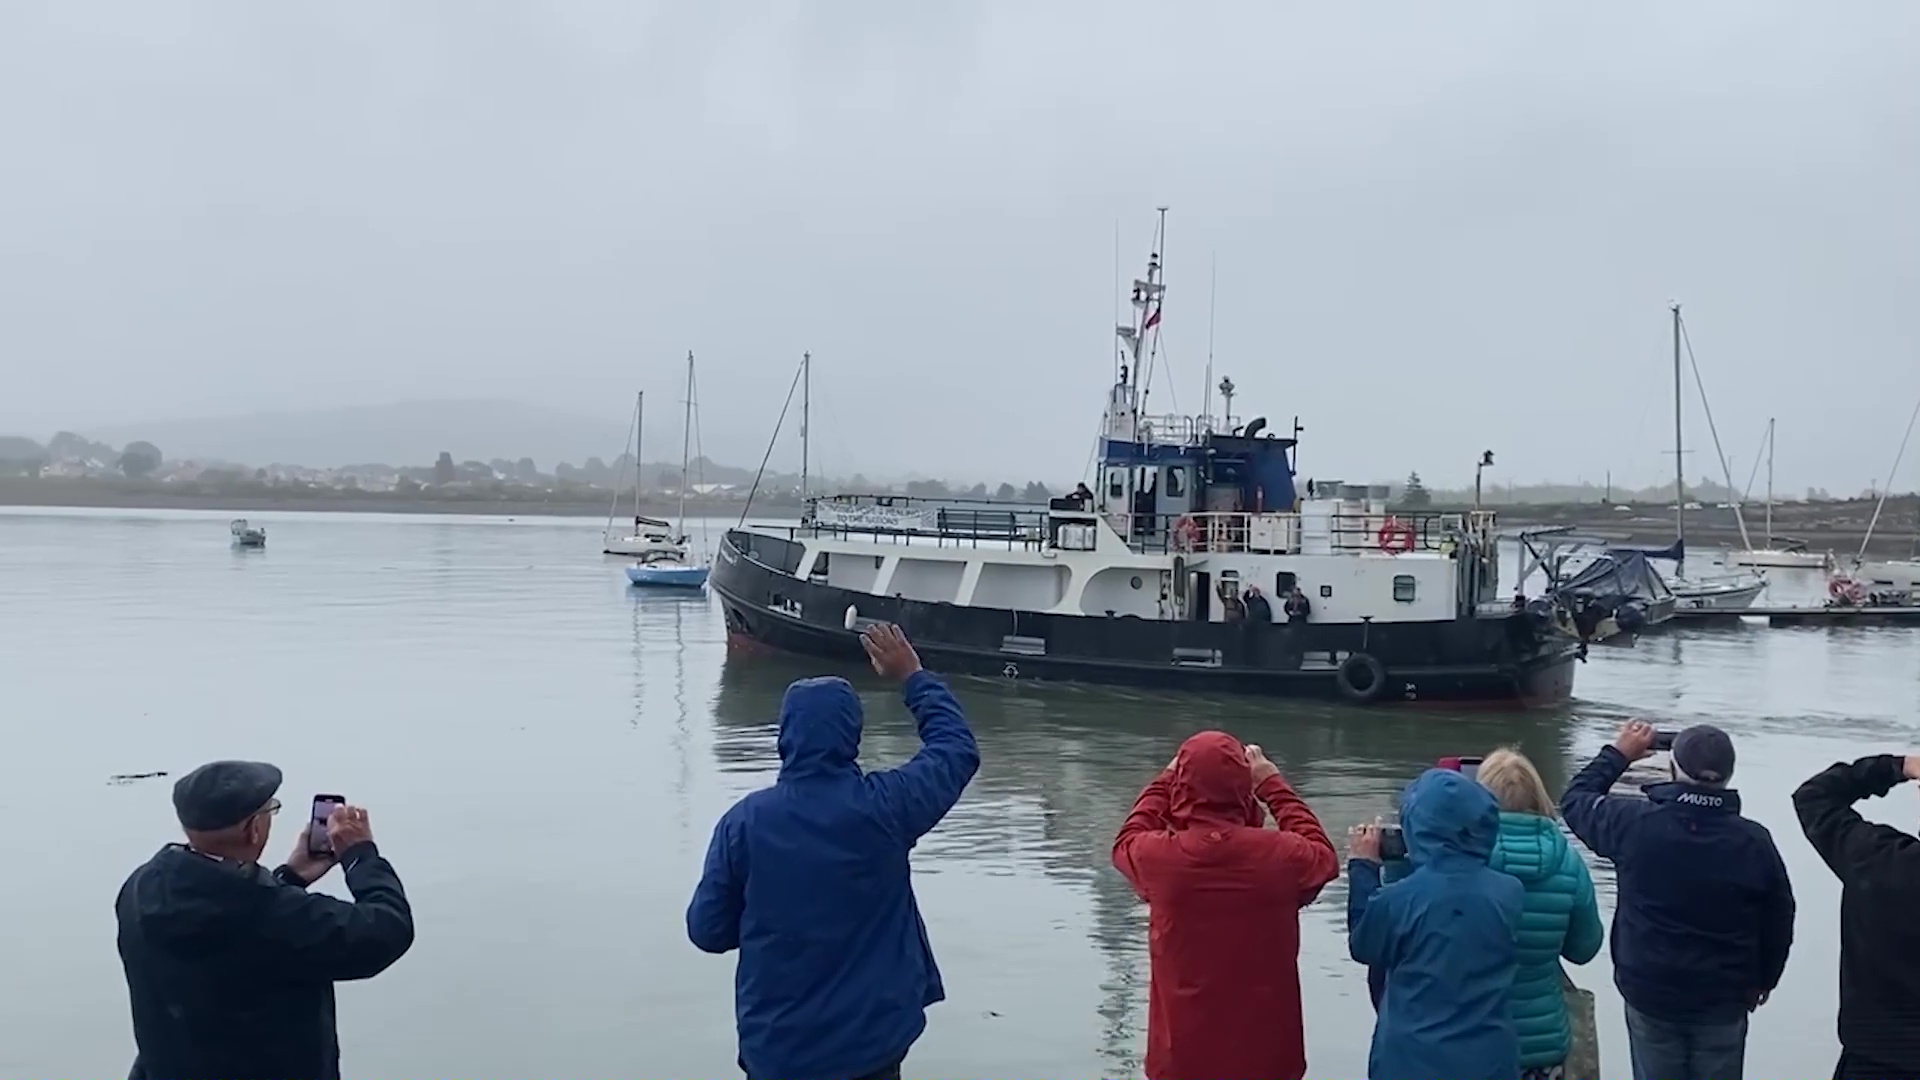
point(27, 496)
point(1840, 530)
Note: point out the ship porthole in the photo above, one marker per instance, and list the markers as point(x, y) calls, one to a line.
point(1135, 582)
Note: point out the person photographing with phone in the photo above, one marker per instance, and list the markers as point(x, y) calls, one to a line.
point(1224, 895)
point(1703, 921)
point(1879, 871)
point(810, 880)
point(230, 967)
point(1442, 937)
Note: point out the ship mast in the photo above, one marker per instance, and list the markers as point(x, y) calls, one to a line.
point(1123, 409)
point(1679, 462)
point(806, 415)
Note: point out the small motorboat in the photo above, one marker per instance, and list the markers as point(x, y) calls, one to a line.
point(245, 535)
point(667, 574)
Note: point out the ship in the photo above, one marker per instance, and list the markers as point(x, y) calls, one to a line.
point(1145, 579)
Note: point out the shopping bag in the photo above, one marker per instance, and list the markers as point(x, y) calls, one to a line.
point(1583, 1052)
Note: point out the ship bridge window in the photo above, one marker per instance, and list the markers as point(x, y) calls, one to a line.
point(1116, 484)
point(1403, 588)
point(1176, 481)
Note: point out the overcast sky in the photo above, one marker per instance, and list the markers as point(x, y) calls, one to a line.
point(1439, 227)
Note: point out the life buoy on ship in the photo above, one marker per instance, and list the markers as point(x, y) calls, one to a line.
point(1361, 678)
point(1186, 533)
point(1396, 537)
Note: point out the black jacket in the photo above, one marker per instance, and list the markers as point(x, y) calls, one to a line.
point(1704, 915)
point(1879, 871)
point(230, 969)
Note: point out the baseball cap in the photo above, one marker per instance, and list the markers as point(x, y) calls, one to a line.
point(1705, 753)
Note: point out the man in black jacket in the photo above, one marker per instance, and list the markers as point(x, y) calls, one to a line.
point(1704, 916)
point(1879, 871)
point(230, 968)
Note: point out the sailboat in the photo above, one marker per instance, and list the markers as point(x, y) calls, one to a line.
point(674, 571)
point(1883, 574)
point(1731, 591)
point(1776, 553)
point(650, 538)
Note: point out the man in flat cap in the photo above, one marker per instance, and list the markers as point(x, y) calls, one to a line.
point(230, 967)
point(1704, 915)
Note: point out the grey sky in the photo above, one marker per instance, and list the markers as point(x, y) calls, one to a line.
point(1438, 227)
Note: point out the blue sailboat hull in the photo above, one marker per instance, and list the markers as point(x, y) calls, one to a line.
point(656, 576)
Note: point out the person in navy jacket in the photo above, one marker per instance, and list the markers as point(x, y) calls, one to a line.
point(1704, 916)
point(1879, 871)
point(809, 879)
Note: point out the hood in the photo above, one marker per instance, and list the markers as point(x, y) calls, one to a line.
point(819, 727)
point(1531, 848)
point(183, 897)
point(1447, 817)
point(1212, 783)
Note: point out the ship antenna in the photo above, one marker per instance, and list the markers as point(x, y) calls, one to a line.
point(1117, 353)
point(1213, 292)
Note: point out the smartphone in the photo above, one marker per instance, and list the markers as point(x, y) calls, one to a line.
point(1469, 767)
point(318, 843)
point(1393, 843)
point(1663, 740)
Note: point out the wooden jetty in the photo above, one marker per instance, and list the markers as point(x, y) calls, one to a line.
point(1810, 615)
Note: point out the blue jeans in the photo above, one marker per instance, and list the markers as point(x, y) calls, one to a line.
point(1685, 1050)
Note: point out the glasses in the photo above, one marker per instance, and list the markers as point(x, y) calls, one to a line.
point(272, 808)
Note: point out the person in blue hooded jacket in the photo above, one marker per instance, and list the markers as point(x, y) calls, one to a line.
point(809, 880)
point(1443, 936)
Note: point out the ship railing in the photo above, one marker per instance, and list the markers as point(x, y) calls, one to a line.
point(941, 521)
point(1222, 532)
point(1181, 430)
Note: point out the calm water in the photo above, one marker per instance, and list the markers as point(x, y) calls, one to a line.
point(543, 751)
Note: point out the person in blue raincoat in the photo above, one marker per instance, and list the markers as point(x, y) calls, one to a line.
point(809, 880)
point(1443, 936)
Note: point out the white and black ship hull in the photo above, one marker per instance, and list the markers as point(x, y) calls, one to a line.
point(1501, 658)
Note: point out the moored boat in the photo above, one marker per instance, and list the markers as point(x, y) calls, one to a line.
point(1147, 580)
point(245, 535)
point(671, 569)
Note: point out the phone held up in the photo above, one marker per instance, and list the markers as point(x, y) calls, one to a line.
point(1663, 740)
point(318, 843)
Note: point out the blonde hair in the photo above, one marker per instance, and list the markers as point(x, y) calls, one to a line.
point(1515, 783)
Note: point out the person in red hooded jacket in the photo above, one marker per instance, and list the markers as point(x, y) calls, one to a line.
point(1225, 895)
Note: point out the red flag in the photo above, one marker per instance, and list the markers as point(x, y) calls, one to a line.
point(1153, 320)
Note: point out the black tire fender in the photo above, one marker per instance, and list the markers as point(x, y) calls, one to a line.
point(1361, 678)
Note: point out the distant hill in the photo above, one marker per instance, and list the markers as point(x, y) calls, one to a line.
point(404, 433)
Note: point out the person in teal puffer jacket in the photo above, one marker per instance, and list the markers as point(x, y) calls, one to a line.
point(1560, 918)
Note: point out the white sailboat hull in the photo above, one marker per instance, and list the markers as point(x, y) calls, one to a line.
point(643, 547)
point(1731, 594)
point(1775, 558)
point(1889, 573)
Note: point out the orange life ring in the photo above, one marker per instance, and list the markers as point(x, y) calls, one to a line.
point(1396, 537)
point(1186, 533)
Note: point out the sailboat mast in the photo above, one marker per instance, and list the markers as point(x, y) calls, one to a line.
point(1679, 462)
point(639, 426)
point(686, 441)
point(1769, 481)
point(806, 414)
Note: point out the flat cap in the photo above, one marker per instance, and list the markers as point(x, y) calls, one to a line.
point(1705, 753)
point(222, 794)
